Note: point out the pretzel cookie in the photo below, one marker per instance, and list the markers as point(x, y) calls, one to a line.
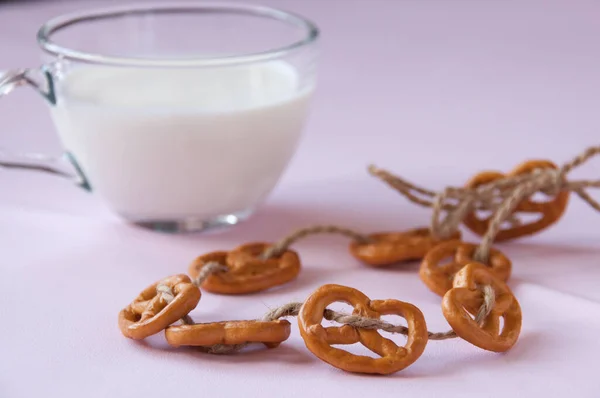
point(549, 211)
point(247, 271)
point(319, 339)
point(443, 261)
point(270, 333)
point(464, 300)
point(149, 313)
point(392, 247)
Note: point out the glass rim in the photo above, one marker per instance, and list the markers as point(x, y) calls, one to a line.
point(56, 24)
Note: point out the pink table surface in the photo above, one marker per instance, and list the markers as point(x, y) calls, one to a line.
point(432, 90)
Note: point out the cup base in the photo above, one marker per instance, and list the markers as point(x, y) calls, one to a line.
point(191, 224)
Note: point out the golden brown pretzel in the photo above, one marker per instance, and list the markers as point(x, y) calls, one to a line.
point(247, 271)
point(319, 339)
point(393, 247)
point(465, 298)
point(149, 313)
point(550, 211)
point(438, 278)
point(270, 333)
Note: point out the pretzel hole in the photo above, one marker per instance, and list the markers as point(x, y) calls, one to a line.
point(506, 224)
point(523, 218)
point(396, 337)
point(357, 349)
point(446, 260)
point(470, 311)
point(338, 307)
point(483, 214)
point(540, 197)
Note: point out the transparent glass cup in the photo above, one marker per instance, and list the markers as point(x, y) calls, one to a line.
point(181, 117)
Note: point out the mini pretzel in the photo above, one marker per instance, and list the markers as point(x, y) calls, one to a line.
point(438, 278)
point(550, 211)
point(465, 298)
point(149, 313)
point(270, 333)
point(393, 247)
point(247, 271)
point(319, 339)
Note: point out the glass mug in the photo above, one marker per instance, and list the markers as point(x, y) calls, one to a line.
point(181, 117)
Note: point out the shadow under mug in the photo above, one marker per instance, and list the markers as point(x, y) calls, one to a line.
point(181, 117)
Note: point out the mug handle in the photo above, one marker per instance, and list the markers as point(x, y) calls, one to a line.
point(64, 166)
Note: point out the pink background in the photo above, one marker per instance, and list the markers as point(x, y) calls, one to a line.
point(432, 90)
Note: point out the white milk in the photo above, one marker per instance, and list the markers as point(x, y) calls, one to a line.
point(174, 143)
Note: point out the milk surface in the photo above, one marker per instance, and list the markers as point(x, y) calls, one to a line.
point(172, 143)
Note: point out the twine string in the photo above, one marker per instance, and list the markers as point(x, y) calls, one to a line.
point(212, 267)
point(278, 248)
point(508, 206)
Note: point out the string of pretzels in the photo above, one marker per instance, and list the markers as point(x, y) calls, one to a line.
point(469, 284)
point(292, 309)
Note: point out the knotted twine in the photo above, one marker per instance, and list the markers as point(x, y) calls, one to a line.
point(500, 197)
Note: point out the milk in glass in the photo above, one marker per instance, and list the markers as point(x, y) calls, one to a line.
point(165, 143)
